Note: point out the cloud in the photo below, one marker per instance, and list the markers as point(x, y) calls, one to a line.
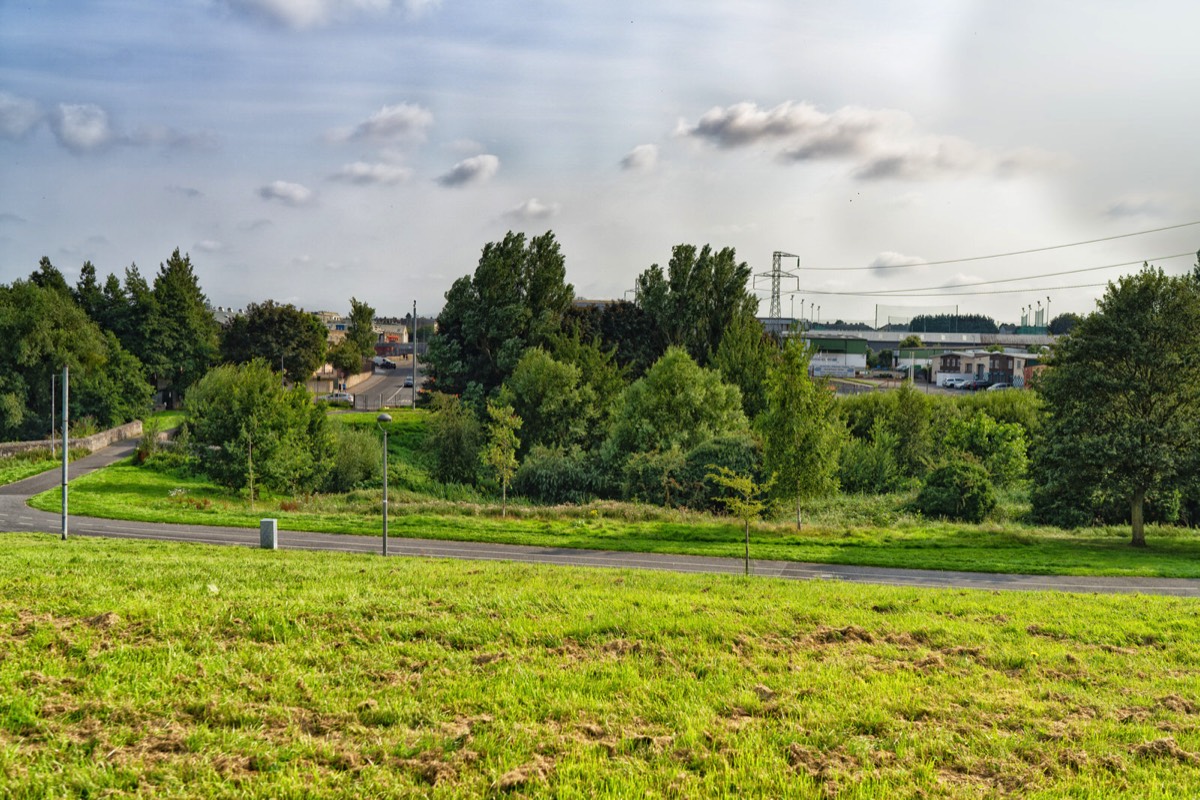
point(890, 260)
point(642, 158)
point(255, 225)
point(8, 216)
point(82, 128)
point(464, 146)
point(18, 116)
point(880, 142)
point(210, 246)
point(476, 169)
point(1137, 206)
point(186, 191)
point(398, 124)
point(304, 14)
point(361, 173)
point(290, 194)
point(532, 210)
point(164, 136)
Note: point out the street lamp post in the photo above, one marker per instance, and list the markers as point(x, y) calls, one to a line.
point(380, 420)
point(65, 449)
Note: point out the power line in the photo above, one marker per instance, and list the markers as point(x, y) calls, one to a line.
point(961, 294)
point(1032, 277)
point(1003, 255)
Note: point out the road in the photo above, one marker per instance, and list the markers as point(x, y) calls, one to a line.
point(15, 515)
point(386, 387)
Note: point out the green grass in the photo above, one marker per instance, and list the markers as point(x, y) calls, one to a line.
point(20, 466)
point(165, 419)
point(155, 669)
point(877, 535)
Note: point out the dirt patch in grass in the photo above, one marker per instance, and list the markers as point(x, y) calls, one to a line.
point(850, 633)
point(535, 771)
point(1166, 748)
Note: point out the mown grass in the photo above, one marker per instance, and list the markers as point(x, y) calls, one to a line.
point(191, 671)
point(20, 466)
point(128, 492)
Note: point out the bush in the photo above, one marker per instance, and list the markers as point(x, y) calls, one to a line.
point(741, 455)
point(550, 475)
point(653, 477)
point(1000, 446)
point(454, 439)
point(959, 490)
point(869, 467)
point(357, 459)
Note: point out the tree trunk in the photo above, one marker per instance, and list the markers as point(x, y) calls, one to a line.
point(503, 499)
point(799, 518)
point(747, 547)
point(1137, 515)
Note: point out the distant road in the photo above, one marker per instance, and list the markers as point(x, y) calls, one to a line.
point(15, 515)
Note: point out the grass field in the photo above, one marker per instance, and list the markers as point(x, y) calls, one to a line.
point(189, 671)
point(20, 466)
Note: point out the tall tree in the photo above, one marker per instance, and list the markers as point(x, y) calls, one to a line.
point(801, 430)
point(516, 298)
point(87, 293)
point(361, 329)
point(500, 451)
point(182, 334)
point(698, 298)
point(48, 276)
point(1123, 400)
point(744, 358)
point(281, 335)
point(546, 395)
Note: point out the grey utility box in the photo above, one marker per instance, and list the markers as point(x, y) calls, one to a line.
point(268, 534)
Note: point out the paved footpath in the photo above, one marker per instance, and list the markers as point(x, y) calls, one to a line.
point(15, 515)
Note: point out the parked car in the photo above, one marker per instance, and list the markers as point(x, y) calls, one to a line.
point(338, 397)
point(977, 384)
point(995, 387)
point(408, 382)
point(955, 383)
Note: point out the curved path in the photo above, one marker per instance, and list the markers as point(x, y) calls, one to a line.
point(15, 515)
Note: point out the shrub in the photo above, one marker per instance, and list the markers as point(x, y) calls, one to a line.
point(653, 477)
point(1000, 446)
point(454, 439)
point(958, 490)
point(869, 467)
point(357, 459)
point(550, 475)
point(739, 455)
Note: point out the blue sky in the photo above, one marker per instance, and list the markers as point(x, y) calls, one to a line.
point(310, 150)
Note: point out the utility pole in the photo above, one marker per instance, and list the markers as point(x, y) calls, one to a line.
point(414, 345)
point(776, 274)
point(66, 376)
point(53, 410)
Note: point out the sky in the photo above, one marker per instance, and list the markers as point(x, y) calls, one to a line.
point(308, 151)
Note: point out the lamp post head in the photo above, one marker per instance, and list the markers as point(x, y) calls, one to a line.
point(382, 418)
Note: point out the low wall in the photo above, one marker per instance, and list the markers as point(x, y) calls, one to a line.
point(355, 380)
point(97, 441)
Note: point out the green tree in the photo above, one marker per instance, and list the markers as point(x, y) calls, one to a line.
point(346, 357)
point(546, 395)
point(601, 381)
point(801, 430)
point(1123, 400)
point(698, 298)
point(999, 446)
point(48, 276)
point(500, 451)
point(248, 430)
point(361, 330)
point(1063, 324)
point(957, 490)
point(181, 332)
point(454, 440)
point(676, 405)
point(281, 335)
point(912, 341)
point(743, 358)
point(744, 499)
point(516, 298)
point(88, 294)
point(910, 422)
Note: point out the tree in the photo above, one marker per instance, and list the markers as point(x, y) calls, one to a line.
point(247, 429)
point(676, 405)
point(1063, 324)
point(182, 335)
point(361, 330)
point(346, 357)
point(910, 342)
point(500, 452)
point(910, 422)
point(88, 295)
point(699, 297)
point(1123, 400)
point(801, 430)
point(282, 335)
point(745, 499)
point(516, 298)
point(47, 276)
point(546, 395)
point(453, 438)
point(743, 358)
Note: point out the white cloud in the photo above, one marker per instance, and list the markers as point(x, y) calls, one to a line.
point(476, 169)
point(532, 210)
point(186, 191)
point(879, 141)
point(82, 128)
point(888, 260)
point(18, 116)
point(642, 158)
point(210, 246)
point(465, 146)
point(164, 136)
point(291, 194)
point(403, 123)
point(1139, 205)
point(361, 173)
point(304, 14)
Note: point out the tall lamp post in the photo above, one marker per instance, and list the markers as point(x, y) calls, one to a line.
point(380, 421)
point(65, 449)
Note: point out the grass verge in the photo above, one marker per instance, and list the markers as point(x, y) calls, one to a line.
point(183, 670)
point(20, 466)
point(128, 492)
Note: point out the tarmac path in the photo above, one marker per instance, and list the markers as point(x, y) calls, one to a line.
point(16, 515)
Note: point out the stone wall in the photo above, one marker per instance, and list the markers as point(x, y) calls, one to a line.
point(97, 441)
